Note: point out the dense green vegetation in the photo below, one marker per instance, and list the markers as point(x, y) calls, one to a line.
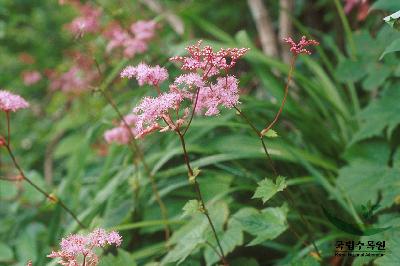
point(334, 171)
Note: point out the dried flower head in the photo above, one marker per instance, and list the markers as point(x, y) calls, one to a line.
point(300, 48)
point(11, 102)
point(75, 246)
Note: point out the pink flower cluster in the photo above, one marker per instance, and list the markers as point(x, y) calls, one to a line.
point(31, 77)
point(207, 61)
point(223, 93)
point(132, 42)
point(77, 246)
point(76, 80)
point(11, 102)
point(121, 134)
point(87, 22)
point(300, 48)
point(205, 95)
point(145, 74)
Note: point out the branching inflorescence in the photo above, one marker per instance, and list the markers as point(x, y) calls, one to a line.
point(78, 250)
point(204, 88)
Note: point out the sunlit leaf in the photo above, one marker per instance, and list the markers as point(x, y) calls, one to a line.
point(267, 188)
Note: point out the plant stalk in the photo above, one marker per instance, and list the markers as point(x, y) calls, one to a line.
point(200, 197)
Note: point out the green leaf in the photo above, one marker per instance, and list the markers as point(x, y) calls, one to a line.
point(230, 239)
point(6, 253)
point(192, 178)
point(265, 225)
point(270, 134)
point(191, 207)
point(380, 114)
point(122, 258)
point(363, 181)
point(387, 5)
point(350, 71)
point(377, 75)
point(393, 47)
point(189, 238)
point(267, 188)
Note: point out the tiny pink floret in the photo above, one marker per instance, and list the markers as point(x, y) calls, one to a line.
point(300, 48)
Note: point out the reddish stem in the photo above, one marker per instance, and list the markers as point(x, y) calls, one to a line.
point(268, 127)
point(8, 127)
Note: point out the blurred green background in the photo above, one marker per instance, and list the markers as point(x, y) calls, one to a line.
point(338, 143)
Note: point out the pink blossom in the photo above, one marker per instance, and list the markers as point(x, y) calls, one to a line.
point(31, 77)
point(146, 74)
point(118, 135)
point(225, 93)
point(76, 80)
point(88, 22)
point(134, 46)
point(190, 80)
point(132, 42)
point(99, 238)
point(207, 61)
point(11, 102)
point(116, 35)
point(144, 30)
point(150, 110)
point(300, 48)
point(76, 246)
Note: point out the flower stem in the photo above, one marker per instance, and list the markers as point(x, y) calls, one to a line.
point(50, 197)
point(193, 111)
point(135, 148)
point(200, 197)
point(8, 127)
point(268, 127)
point(22, 174)
point(260, 134)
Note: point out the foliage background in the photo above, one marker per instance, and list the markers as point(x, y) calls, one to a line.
point(338, 141)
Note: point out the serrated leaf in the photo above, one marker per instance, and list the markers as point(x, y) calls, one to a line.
point(191, 207)
point(267, 188)
point(380, 114)
point(265, 225)
point(364, 180)
point(230, 239)
point(271, 134)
